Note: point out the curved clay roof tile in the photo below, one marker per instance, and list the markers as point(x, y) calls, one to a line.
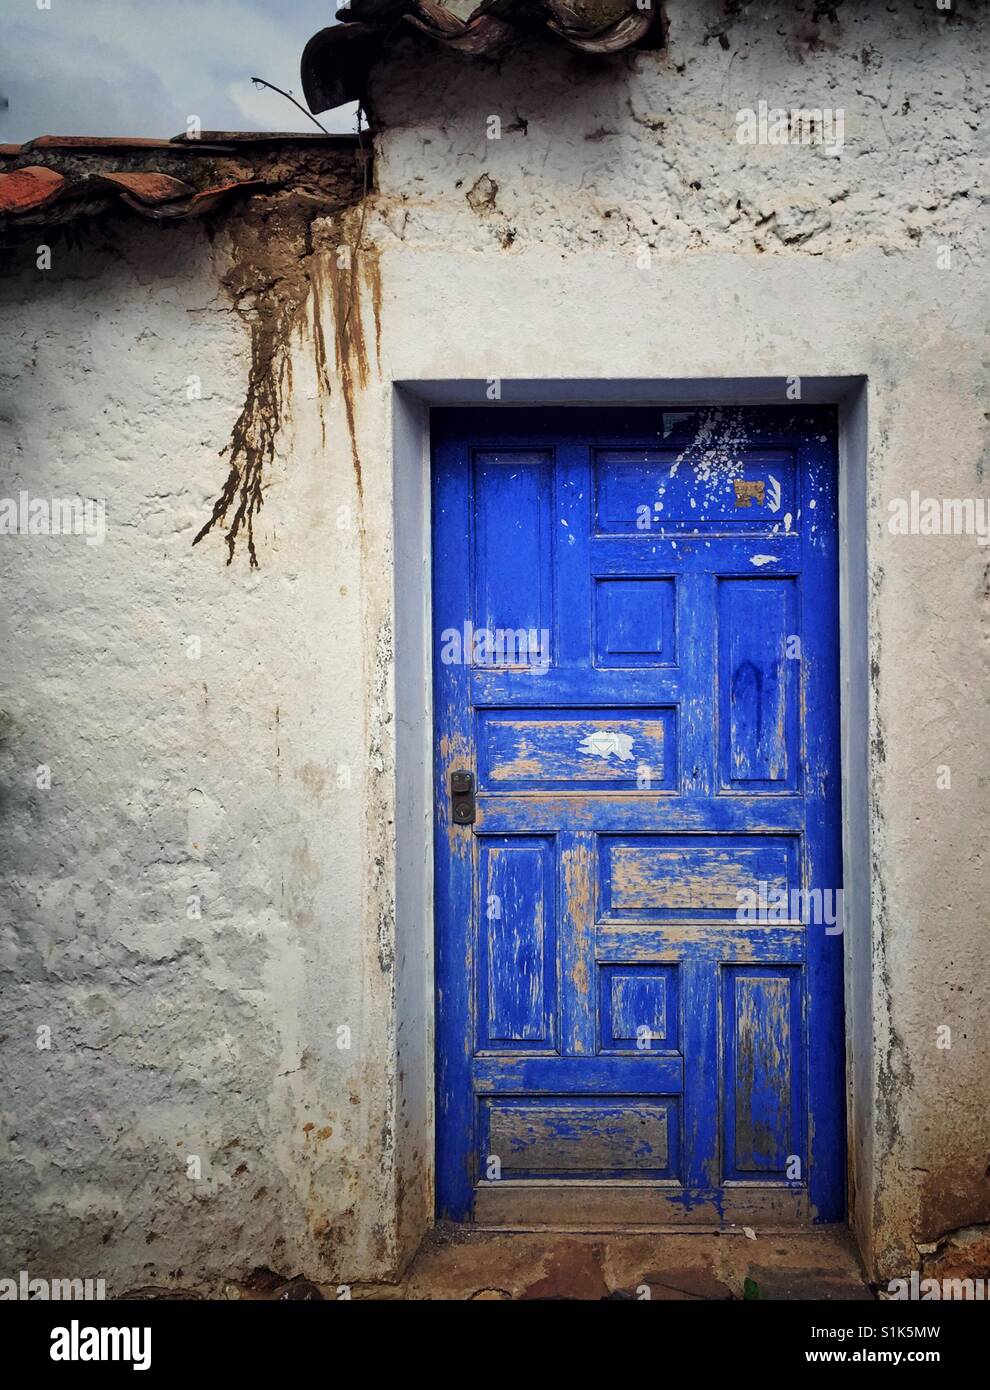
point(624, 33)
point(337, 61)
point(24, 190)
point(482, 33)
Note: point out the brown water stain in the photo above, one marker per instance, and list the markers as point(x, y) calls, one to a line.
point(273, 282)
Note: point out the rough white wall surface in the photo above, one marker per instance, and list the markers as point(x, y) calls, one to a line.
point(642, 150)
point(173, 777)
point(176, 776)
point(618, 228)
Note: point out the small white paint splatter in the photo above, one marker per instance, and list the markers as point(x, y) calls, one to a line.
point(760, 560)
point(715, 454)
point(773, 498)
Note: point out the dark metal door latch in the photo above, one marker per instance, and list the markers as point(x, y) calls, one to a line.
point(462, 797)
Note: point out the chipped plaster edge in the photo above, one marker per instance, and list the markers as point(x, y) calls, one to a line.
point(855, 736)
point(413, 657)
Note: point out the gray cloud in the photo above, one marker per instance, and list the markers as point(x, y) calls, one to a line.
point(143, 67)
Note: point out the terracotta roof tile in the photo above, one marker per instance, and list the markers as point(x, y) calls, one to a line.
point(337, 61)
point(63, 178)
point(25, 190)
point(205, 201)
point(148, 188)
point(94, 142)
point(36, 195)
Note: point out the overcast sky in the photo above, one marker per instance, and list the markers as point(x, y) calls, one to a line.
point(143, 67)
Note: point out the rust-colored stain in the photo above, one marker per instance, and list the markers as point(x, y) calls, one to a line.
point(319, 347)
point(276, 190)
point(275, 285)
point(373, 279)
point(349, 334)
point(268, 285)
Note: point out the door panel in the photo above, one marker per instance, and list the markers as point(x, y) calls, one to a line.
point(517, 965)
point(639, 1012)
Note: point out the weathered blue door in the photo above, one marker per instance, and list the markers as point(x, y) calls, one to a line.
point(639, 983)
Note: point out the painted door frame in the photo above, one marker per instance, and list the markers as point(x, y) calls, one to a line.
point(411, 403)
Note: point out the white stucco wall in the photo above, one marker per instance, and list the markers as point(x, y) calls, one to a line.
point(173, 777)
point(617, 230)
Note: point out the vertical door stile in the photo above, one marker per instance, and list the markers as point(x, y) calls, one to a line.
point(699, 972)
point(824, 1028)
point(455, 860)
point(577, 936)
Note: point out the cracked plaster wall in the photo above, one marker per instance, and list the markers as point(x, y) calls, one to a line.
point(618, 229)
point(216, 776)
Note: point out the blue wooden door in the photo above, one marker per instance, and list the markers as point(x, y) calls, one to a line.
point(639, 982)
